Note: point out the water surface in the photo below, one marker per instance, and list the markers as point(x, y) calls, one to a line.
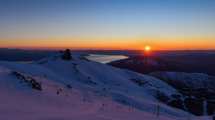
point(105, 58)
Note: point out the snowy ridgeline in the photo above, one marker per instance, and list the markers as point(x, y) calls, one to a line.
point(76, 88)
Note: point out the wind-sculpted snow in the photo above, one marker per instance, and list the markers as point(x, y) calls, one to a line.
point(80, 89)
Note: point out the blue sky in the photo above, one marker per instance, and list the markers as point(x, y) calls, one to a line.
point(39, 19)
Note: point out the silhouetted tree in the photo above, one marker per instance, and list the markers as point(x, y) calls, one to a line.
point(66, 55)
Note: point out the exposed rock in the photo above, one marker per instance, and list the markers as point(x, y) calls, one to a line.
point(29, 80)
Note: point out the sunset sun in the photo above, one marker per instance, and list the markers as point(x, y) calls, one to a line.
point(147, 48)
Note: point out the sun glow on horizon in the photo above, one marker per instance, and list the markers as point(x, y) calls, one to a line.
point(147, 48)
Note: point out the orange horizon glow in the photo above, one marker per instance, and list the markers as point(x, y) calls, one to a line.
point(198, 43)
point(130, 25)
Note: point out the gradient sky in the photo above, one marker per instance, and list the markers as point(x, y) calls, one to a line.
point(108, 24)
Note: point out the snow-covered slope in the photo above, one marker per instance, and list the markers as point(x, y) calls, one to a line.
point(191, 80)
point(197, 88)
point(81, 89)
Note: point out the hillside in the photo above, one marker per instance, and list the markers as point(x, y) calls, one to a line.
point(56, 88)
point(197, 88)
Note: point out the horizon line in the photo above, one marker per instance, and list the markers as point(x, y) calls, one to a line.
point(101, 49)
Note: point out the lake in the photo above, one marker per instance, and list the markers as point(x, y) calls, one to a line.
point(105, 58)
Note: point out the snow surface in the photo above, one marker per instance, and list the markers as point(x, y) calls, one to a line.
point(81, 90)
point(191, 80)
